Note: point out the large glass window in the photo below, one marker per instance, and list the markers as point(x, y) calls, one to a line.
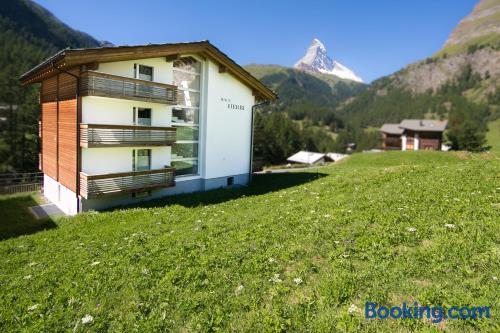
point(185, 115)
point(182, 115)
point(141, 159)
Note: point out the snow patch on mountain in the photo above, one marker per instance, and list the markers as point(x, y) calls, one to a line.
point(317, 60)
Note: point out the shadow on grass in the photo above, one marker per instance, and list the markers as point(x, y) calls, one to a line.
point(16, 220)
point(261, 184)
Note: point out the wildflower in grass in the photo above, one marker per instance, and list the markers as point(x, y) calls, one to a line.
point(31, 264)
point(495, 278)
point(411, 229)
point(275, 279)
point(27, 277)
point(95, 263)
point(33, 307)
point(449, 226)
point(87, 319)
point(271, 260)
point(297, 280)
point(353, 309)
point(239, 289)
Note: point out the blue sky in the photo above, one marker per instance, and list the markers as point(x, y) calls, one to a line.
point(373, 38)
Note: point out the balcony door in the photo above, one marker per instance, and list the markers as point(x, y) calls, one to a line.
point(141, 159)
point(142, 117)
point(145, 73)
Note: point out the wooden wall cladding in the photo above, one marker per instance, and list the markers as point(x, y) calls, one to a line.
point(59, 128)
point(49, 90)
point(67, 144)
point(49, 138)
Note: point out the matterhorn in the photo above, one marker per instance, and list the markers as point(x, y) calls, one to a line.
point(317, 60)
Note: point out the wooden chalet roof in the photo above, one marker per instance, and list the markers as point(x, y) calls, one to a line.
point(69, 58)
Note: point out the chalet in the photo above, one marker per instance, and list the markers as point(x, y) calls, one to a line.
point(414, 134)
point(124, 124)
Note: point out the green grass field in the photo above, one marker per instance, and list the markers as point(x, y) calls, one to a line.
point(291, 253)
point(493, 136)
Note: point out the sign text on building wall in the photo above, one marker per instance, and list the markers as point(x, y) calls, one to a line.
point(232, 106)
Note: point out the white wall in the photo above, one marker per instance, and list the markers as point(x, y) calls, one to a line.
point(112, 111)
point(162, 70)
point(60, 195)
point(227, 131)
point(119, 159)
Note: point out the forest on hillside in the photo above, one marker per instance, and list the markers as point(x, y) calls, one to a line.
point(28, 35)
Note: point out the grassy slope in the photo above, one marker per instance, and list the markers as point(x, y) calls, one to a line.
point(344, 232)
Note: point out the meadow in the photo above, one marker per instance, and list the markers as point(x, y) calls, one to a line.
point(301, 251)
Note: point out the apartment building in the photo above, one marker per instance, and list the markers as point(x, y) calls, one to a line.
point(119, 125)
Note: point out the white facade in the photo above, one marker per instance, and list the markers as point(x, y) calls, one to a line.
point(224, 134)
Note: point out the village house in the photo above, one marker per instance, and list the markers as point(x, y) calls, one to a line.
point(414, 134)
point(124, 124)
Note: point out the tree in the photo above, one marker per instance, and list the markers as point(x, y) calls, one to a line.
point(467, 135)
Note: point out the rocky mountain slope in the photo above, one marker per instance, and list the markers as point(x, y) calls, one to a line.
point(474, 43)
point(316, 60)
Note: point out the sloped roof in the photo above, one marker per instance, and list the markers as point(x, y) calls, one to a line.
point(336, 156)
point(305, 157)
point(69, 58)
point(424, 125)
point(391, 129)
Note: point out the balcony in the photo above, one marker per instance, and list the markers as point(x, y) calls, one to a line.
point(93, 186)
point(114, 86)
point(93, 135)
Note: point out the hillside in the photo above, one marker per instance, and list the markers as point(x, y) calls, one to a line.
point(294, 252)
point(296, 86)
point(28, 34)
point(304, 116)
point(459, 83)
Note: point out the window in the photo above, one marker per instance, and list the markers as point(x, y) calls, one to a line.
point(142, 116)
point(143, 72)
point(185, 158)
point(230, 181)
point(141, 159)
point(185, 115)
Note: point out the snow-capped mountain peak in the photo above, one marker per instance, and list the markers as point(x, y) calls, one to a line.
point(317, 60)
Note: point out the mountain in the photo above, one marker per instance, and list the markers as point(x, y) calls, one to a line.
point(28, 34)
point(480, 28)
point(316, 60)
point(463, 77)
point(293, 85)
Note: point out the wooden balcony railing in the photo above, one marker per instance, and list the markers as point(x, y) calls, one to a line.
point(94, 135)
point(114, 86)
point(92, 186)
